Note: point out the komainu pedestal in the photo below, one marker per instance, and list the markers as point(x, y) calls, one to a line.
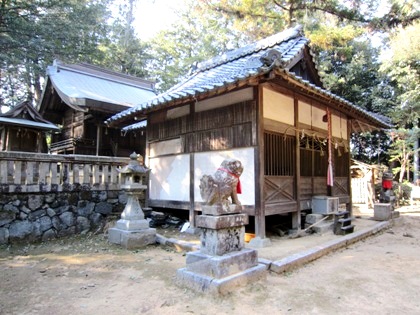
point(223, 263)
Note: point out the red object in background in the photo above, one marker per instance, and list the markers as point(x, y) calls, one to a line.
point(387, 183)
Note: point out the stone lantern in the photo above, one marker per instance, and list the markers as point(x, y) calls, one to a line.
point(132, 230)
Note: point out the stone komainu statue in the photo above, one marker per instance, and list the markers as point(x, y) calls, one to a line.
point(216, 189)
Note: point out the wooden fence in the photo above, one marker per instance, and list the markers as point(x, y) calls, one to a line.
point(359, 190)
point(37, 172)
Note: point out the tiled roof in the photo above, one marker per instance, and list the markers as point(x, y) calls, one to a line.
point(230, 67)
point(26, 115)
point(275, 52)
point(77, 83)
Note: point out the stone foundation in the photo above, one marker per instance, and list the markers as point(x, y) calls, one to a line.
point(34, 217)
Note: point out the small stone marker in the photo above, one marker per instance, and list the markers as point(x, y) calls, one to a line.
point(132, 230)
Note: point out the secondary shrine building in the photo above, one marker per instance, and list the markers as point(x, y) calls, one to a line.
point(263, 104)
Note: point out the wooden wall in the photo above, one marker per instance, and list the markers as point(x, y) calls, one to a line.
point(217, 129)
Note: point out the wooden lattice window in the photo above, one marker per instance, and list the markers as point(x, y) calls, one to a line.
point(280, 157)
point(313, 156)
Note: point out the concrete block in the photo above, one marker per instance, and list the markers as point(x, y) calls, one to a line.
point(382, 211)
point(323, 227)
point(313, 218)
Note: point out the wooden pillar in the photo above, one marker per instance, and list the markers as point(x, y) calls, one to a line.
point(296, 217)
point(3, 139)
point(330, 170)
point(192, 212)
point(146, 163)
point(259, 169)
point(349, 206)
point(98, 138)
point(7, 143)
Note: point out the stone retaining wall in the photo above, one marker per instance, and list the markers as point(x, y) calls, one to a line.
point(33, 217)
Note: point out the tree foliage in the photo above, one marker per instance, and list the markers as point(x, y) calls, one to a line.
point(197, 36)
point(123, 51)
point(34, 32)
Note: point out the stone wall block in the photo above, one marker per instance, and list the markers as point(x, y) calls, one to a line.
point(73, 199)
point(51, 212)
point(85, 208)
point(19, 230)
point(25, 209)
point(86, 195)
point(35, 202)
point(49, 198)
point(35, 215)
point(103, 208)
point(98, 196)
point(49, 235)
point(122, 198)
point(82, 224)
point(62, 209)
point(6, 217)
point(57, 224)
point(4, 236)
point(36, 231)
point(11, 208)
point(67, 218)
point(113, 194)
point(96, 219)
point(45, 223)
point(63, 199)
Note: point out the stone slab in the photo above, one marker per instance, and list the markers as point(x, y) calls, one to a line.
point(323, 227)
point(221, 266)
point(206, 284)
point(221, 210)
point(223, 241)
point(299, 259)
point(222, 221)
point(132, 239)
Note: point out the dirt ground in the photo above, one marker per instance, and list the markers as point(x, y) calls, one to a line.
point(86, 275)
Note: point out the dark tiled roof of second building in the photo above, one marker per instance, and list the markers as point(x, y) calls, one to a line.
point(228, 68)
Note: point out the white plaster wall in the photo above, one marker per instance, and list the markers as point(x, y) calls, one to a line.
point(225, 100)
point(278, 107)
point(170, 178)
point(208, 162)
point(339, 127)
point(165, 147)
